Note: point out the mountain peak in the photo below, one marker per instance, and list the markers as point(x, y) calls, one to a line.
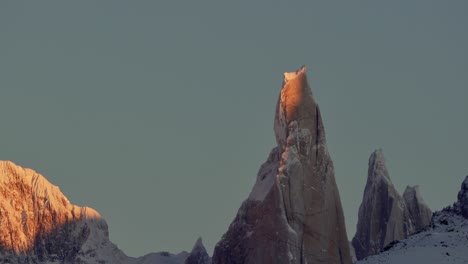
point(198, 254)
point(383, 215)
point(291, 75)
point(296, 103)
point(293, 213)
point(377, 169)
point(421, 214)
point(199, 245)
point(39, 224)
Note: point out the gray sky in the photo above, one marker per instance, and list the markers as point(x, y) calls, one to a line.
point(159, 113)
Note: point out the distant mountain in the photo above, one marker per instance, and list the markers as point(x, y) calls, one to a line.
point(161, 258)
point(384, 215)
point(39, 225)
point(293, 213)
point(445, 241)
point(198, 255)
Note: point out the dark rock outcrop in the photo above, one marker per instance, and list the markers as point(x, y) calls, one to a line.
point(293, 213)
point(462, 203)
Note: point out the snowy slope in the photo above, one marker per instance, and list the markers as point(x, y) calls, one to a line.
point(445, 242)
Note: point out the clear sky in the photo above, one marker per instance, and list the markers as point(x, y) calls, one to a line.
point(159, 113)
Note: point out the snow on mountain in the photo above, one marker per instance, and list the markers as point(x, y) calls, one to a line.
point(445, 242)
point(293, 213)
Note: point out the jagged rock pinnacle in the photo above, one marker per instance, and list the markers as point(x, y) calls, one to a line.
point(198, 255)
point(421, 214)
point(384, 215)
point(293, 213)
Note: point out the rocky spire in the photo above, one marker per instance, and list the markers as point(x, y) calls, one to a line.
point(421, 214)
point(293, 213)
point(198, 254)
point(383, 215)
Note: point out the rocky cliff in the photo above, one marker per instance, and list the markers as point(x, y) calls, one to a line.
point(293, 213)
point(39, 225)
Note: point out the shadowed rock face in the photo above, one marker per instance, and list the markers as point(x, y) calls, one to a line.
point(420, 213)
point(293, 213)
point(383, 215)
point(198, 254)
point(39, 225)
point(463, 198)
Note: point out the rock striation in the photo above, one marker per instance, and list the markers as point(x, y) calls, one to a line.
point(293, 213)
point(420, 213)
point(198, 255)
point(39, 225)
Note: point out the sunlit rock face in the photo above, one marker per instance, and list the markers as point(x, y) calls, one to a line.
point(293, 213)
point(383, 215)
point(39, 225)
point(420, 213)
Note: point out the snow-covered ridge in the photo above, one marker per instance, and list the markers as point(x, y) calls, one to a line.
point(446, 241)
